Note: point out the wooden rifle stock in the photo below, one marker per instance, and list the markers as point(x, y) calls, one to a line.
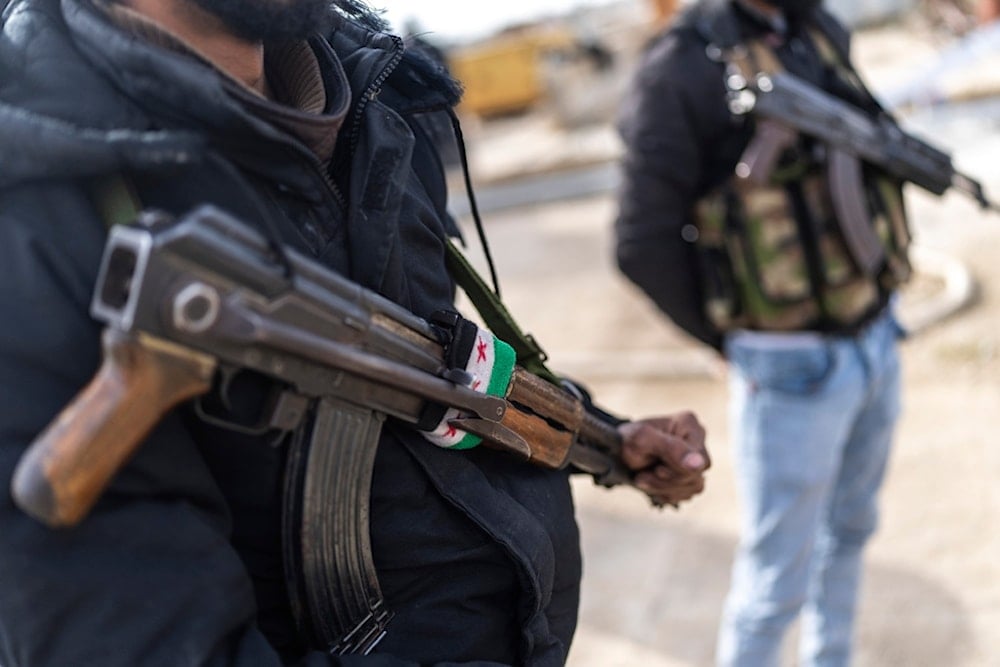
point(560, 407)
point(72, 461)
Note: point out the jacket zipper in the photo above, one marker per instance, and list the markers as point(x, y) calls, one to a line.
point(369, 94)
point(373, 90)
point(332, 188)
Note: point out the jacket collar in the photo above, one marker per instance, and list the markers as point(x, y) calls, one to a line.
point(378, 62)
point(727, 23)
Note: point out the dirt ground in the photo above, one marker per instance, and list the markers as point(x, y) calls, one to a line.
point(654, 581)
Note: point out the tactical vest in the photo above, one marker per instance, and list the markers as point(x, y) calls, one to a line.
point(773, 255)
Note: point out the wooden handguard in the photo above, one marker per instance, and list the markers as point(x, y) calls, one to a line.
point(544, 398)
point(557, 420)
point(548, 446)
point(72, 461)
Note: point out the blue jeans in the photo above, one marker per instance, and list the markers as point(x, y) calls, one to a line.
point(812, 419)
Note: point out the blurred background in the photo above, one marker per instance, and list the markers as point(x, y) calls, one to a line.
point(543, 79)
point(516, 55)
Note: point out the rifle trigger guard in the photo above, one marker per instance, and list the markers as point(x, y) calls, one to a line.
point(226, 376)
point(204, 415)
point(283, 414)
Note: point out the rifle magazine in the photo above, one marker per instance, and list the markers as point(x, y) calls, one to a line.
point(336, 594)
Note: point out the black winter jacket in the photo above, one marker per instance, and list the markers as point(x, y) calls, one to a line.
point(682, 142)
point(180, 564)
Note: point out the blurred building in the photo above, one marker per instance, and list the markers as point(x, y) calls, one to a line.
point(502, 75)
point(574, 65)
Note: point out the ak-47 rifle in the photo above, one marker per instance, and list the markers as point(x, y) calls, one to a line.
point(784, 106)
point(880, 141)
point(191, 302)
point(183, 299)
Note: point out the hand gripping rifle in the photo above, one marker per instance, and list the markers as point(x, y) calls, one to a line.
point(190, 301)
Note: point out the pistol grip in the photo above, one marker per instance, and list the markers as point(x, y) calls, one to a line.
point(761, 156)
point(68, 466)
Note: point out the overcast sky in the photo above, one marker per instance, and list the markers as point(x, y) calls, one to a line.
point(456, 20)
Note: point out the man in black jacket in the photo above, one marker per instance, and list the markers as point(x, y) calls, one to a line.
point(758, 268)
point(296, 117)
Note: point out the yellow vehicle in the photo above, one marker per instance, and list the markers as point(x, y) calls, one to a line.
point(504, 74)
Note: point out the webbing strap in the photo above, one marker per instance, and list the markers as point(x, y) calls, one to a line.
point(116, 200)
point(497, 318)
point(832, 56)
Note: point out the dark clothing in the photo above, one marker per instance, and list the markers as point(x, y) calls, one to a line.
point(180, 563)
point(683, 142)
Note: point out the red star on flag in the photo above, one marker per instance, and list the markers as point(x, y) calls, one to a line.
point(482, 349)
point(451, 431)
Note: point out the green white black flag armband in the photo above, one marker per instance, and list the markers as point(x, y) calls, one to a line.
point(488, 363)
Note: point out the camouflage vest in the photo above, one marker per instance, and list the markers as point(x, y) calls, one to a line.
point(773, 256)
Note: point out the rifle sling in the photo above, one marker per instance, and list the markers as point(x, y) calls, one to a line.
point(497, 318)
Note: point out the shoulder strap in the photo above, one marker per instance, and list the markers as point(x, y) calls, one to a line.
point(832, 52)
point(116, 199)
point(496, 316)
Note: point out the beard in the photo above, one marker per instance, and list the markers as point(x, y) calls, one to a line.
point(270, 20)
point(796, 9)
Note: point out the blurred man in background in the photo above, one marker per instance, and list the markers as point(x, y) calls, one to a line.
point(758, 268)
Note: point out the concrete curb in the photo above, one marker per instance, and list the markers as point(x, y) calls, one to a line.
point(958, 293)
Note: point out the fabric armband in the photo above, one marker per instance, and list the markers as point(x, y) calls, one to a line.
point(489, 363)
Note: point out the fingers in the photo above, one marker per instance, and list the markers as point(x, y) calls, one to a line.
point(662, 483)
point(684, 423)
point(687, 426)
point(652, 441)
point(668, 457)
